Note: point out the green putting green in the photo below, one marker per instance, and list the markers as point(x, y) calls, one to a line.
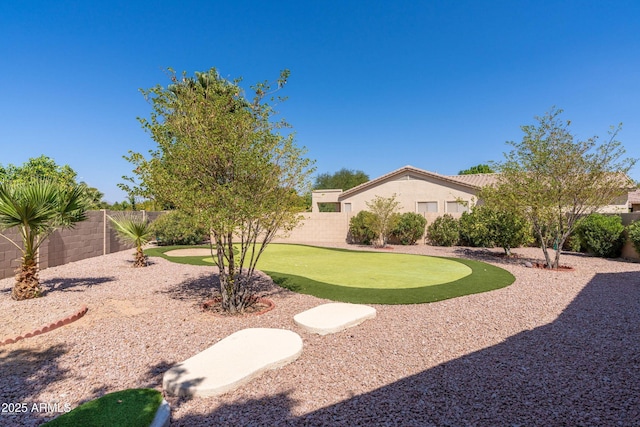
point(367, 277)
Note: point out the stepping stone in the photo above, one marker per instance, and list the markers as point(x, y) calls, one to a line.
point(232, 362)
point(163, 415)
point(334, 317)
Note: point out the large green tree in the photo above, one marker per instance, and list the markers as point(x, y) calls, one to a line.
point(226, 161)
point(37, 208)
point(46, 168)
point(343, 179)
point(553, 179)
point(481, 168)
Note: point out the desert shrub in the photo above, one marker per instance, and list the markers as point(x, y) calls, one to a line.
point(573, 243)
point(601, 235)
point(361, 228)
point(633, 230)
point(409, 228)
point(444, 231)
point(177, 228)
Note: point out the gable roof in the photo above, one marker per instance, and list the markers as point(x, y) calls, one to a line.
point(634, 197)
point(465, 182)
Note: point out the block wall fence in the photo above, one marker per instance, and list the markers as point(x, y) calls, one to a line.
point(90, 238)
point(96, 237)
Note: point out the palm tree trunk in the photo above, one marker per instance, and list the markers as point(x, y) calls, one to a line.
point(141, 259)
point(27, 284)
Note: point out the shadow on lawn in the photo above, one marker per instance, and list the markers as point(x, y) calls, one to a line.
point(581, 369)
point(66, 284)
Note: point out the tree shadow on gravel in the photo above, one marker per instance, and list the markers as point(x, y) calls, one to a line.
point(581, 369)
point(65, 284)
point(207, 286)
point(269, 411)
point(24, 374)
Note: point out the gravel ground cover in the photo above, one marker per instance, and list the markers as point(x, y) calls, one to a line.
point(554, 348)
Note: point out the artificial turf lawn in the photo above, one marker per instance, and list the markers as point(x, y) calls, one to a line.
point(126, 408)
point(369, 277)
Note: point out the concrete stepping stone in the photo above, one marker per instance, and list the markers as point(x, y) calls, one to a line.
point(232, 362)
point(334, 317)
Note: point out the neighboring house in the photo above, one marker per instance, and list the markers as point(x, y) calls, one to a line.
point(424, 192)
point(417, 190)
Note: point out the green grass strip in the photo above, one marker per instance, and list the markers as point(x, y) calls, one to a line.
point(126, 408)
point(393, 278)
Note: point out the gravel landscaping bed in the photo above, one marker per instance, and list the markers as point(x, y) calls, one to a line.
point(554, 348)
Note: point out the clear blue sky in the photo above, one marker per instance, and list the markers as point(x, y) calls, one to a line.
point(375, 85)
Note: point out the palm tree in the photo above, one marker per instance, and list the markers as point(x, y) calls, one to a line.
point(135, 230)
point(37, 208)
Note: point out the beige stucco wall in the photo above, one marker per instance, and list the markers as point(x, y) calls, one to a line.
point(410, 189)
point(329, 227)
point(628, 251)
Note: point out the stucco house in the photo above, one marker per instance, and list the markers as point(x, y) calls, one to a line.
point(418, 190)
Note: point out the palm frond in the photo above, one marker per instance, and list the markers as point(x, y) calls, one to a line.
point(132, 228)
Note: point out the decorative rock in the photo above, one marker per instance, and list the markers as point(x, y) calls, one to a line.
point(334, 317)
point(528, 264)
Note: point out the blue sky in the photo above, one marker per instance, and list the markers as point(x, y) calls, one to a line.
point(440, 85)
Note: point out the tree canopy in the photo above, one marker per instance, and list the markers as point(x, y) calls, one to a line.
point(553, 179)
point(343, 179)
point(481, 168)
point(45, 168)
point(225, 161)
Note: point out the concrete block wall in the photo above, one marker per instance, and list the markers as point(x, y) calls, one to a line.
point(90, 238)
point(9, 255)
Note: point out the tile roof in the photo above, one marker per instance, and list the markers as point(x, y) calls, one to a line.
point(455, 179)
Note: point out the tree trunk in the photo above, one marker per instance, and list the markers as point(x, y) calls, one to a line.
point(141, 258)
point(27, 284)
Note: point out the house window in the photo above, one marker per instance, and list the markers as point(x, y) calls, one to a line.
point(347, 207)
point(424, 207)
point(453, 207)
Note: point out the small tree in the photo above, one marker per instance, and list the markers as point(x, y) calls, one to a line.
point(136, 230)
point(37, 208)
point(384, 220)
point(552, 179)
point(221, 159)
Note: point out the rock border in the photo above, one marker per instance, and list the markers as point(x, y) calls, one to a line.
point(47, 328)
